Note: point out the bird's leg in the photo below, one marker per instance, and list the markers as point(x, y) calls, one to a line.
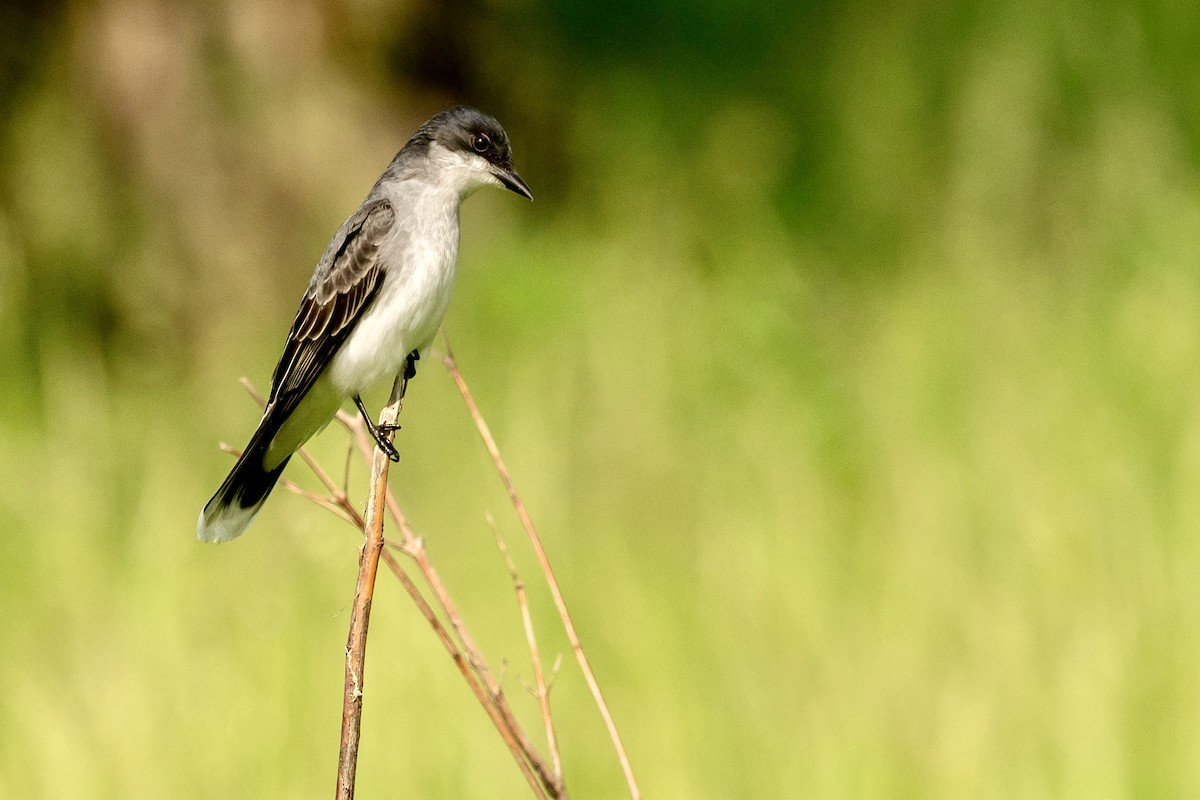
point(410, 369)
point(378, 432)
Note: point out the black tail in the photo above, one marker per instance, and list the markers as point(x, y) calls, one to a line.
point(242, 494)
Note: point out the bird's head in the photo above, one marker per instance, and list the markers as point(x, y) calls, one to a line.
point(468, 149)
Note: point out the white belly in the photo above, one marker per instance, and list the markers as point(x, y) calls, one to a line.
point(408, 310)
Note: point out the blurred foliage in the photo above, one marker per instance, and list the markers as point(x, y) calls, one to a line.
point(848, 360)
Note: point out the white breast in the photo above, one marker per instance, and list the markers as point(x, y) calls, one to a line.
point(420, 261)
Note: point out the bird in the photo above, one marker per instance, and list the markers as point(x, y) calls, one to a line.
point(374, 304)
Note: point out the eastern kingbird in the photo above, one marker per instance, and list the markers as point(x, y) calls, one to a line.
point(374, 303)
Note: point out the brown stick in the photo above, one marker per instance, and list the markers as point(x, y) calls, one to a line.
point(360, 617)
point(469, 659)
point(541, 689)
point(544, 561)
point(470, 662)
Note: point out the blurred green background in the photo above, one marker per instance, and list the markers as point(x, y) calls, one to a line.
point(848, 360)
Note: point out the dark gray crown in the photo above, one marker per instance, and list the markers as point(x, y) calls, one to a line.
point(465, 129)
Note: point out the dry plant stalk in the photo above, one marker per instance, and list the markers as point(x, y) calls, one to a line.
point(546, 782)
point(544, 561)
point(465, 652)
point(364, 592)
point(541, 688)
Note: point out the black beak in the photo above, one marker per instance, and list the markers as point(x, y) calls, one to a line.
point(511, 180)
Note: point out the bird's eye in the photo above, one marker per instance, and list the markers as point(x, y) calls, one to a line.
point(480, 143)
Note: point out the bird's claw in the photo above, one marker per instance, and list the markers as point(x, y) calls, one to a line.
point(380, 436)
point(379, 432)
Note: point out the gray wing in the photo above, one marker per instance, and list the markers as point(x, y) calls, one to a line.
point(345, 282)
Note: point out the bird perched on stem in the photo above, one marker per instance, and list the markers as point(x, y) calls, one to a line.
point(374, 304)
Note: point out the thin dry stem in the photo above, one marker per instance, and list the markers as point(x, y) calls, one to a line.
point(465, 654)
point(360, 616)
point(541, 690)
point(414, 548)
point(544, 561)
point(339, 504)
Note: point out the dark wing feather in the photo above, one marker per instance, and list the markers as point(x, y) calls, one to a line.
point(344, 283)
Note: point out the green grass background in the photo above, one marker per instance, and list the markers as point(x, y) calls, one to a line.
point(848, 361)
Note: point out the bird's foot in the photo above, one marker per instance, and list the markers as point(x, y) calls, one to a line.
point(379, 432)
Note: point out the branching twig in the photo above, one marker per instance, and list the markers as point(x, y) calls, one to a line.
point(465, 653)
point(545, 782)
point(339, 504)
point(465, 670)
point(490, 443)
point(360, 616)
point(541, 690)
